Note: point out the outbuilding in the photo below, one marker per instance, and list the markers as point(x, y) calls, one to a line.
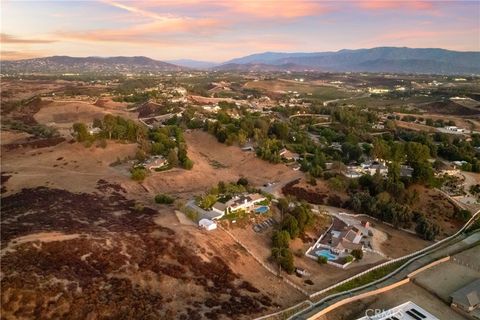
point(207, 224)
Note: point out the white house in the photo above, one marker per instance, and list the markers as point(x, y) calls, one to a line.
point(207, 224)
point(372, 167)
point(245, 202)
point(155, 162)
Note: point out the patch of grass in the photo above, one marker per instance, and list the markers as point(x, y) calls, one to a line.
point(367, 278)
point(164, 199)
point(191, 214)
point(164, 168)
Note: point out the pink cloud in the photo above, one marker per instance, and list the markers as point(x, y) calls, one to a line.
point(8, 38)
point(395, 4)
point(287, 9)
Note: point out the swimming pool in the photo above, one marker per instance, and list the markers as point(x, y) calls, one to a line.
point(261, 209)
point(326, 253)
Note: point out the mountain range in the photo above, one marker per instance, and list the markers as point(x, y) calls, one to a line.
point(381, 59)
point(66, 64)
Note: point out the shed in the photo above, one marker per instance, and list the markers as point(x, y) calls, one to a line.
point(207, 224)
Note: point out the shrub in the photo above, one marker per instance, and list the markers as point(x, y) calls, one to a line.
point(138, 174)
point(348, 259)
point(357, 254)
point(187, 164)
point(242, 181)
point(322, 260)
point(164, 199)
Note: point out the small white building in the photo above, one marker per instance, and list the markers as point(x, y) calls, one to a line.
point(155, 162)
point(207, 224)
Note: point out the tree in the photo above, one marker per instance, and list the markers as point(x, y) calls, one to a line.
point(381, 150)
point(284, 258)
point(281, 130)
point(81, 131)
point(290, 224)
point(280, 239)
point(109, 123)
point(357, 254)
point(97, 123)
point(427, 230)
point(172, 158)
point(207, 201)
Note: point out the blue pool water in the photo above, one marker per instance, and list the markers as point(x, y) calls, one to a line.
point(326, 253)
point(261, 209)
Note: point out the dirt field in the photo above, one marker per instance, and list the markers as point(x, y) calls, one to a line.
point(318, 194)
point(62, 114)
point(88, 248)
point(438, 209)
point(460, 121)
point(8, 137)
point(24, 89)
point(414, 126)
point(214, 162)
point(390, 299)
point(97, 255)
point(67, 166)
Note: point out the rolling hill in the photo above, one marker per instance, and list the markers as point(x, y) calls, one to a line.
point(66, 64)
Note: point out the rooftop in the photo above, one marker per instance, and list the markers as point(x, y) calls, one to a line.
point(468, 296)
point(406, 311)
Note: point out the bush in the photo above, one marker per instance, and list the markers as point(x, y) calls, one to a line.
point(138, 174)
point(348, 259)
point(242, 181)
point(187, 164)
point(426, 229)
point(357, 254)
point(464, 215)
point(322, 260)
point(164, 199)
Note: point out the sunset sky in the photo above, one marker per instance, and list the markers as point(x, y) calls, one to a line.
point(220, 30)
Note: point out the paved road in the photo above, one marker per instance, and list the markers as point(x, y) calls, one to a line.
point(460, 243)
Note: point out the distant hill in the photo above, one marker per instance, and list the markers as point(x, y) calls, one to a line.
point(194, 64)
point(66, 64)
point(381, 59)
point(258, 67)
